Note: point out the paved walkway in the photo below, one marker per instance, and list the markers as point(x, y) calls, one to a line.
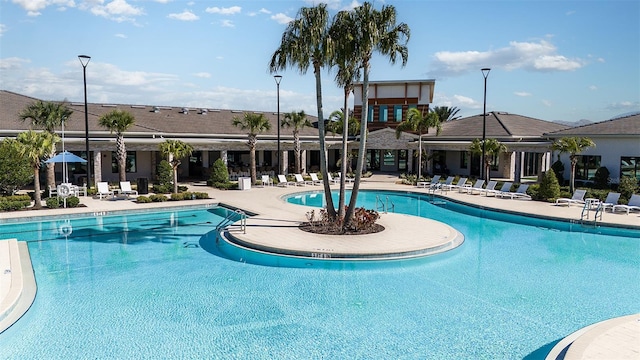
point(275, 227)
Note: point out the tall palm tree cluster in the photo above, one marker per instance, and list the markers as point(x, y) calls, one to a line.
point(345, 44)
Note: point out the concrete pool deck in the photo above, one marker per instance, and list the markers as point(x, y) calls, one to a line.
point(277, 221)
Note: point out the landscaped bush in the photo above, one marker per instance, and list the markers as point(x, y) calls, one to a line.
point(143, 199)
point(158, 198)
point(53, 202)
point(558, 168)
point(219, 172)
point(626, 188)
point(601, 179)
point(73, 201)
point(14, 202)
point(226, 186)
point(549, 188)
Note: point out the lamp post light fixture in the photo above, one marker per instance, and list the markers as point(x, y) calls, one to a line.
point(485, 74)
point(84, 60)
point(278, 78)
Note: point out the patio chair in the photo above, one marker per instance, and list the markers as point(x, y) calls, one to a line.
point(332, 180)
point(610, 201)
point(577, 198)
point(267, 181)
point(300, 181)
point(490, 187)
point(633, 205)
point(441, 186)
point(53, 191)
point(283, 182)
point(125, 189)
point(314, 179)
point(521, 193)
point(506, 187)
point(459, 185)
point(476, 187)
point(103, 190)
point(425, 184)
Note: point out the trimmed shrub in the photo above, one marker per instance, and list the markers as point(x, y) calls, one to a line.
point(164, 173)
point(73, 201)
point(158, 198)
point(549, 187)
point(53, 202)
point(14, 202)
point(143, 199)
point(219, 172)
point(558, 169)
point(602, 178)
point(226, 186)
point(627, 187)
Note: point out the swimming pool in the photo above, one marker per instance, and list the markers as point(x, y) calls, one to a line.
point(137, 286)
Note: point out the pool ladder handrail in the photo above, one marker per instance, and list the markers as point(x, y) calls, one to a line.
point(380, 205)
point(588, 205)
point(231, 218)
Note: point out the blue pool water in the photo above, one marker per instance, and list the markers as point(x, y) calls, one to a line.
point(136, 286)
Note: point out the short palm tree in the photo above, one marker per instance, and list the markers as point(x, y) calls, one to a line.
point(573, 146)
point(297, 121)
point(336, 124)
point(255, 124)
point(118, 122)
point(419, 123)
point(48, 116)
point(175, 150)
point(36, 146)
point(492, 147)
point(305, 43)
point(446, 113)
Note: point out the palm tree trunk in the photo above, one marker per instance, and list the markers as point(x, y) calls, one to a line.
point(51, 172)
point(36, 188)
point(121, 153)
point(331, 210)
point(343, 167)
point(296, 149)
point(175, 177)
point(419, 158)
point(361, 148)
point(572, 177)
point(252, 157)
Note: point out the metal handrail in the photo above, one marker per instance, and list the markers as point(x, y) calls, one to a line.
point(393, 206)
point(231, 218)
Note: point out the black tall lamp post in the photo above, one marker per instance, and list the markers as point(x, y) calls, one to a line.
point(278, 78)
point(84, 60)
point(485, 74)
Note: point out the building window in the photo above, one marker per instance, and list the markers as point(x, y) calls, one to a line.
point(464, 160)
point(531, 164)
point(397, 113)
point(587, 166)
point(389, 158)
point(370, 114)
point(383, 113)
point(403, 159)
point(630, 166)
point(130, 162)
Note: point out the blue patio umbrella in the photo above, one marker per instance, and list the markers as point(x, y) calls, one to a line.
point(64, 158)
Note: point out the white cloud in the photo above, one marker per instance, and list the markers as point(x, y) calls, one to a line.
point(116, 10)
point(224, 11)
point(547, 103)
point(33, 7)
point(264, 11)
point(3, 29)
point(593, 88)
point(12, 63)
point(122, 36)
point(184, 16)
point(281, 18)
point(532, 56)
point(522, 93)
point(227, 23)
point(204, 75)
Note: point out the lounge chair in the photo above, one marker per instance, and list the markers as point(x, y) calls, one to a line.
point(506, 187)
point(346, 179)
point(266, 180)
point(125, 189)
point(459, 185)
point(610, 201)
point(103, 190)
point(53, 191)
point(490, 187)
point(577, 198)
point(300, 181)
point(283, 182)
point(633, 205)
point(476, 187)
point(442, 186)
point(425, 184)
point(521, 193)
point(332, 180)
point(314, 179)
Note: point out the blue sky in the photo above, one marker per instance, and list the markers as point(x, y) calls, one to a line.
point(551, 60)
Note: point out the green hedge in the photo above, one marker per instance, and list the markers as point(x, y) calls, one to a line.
point(14, 202)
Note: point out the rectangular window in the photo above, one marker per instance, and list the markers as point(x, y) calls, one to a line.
point(370, 114)
point(403, 157)
point(531, 164)
point(464, 160)
point(630, 166)
point(389, 158)
point(383, 113)
point(587, 166)
point(397, 113)
point(130, 162)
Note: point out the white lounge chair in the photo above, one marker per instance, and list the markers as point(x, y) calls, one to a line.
point(610, 201)
point(425, 184)
point(283, 182)
point(103, 190)
point(332, 180)
point(346, 179)
point(266, 180)
point(125, 189)
point(520, 193)
point(633, 205)
point(459, 185)
point(442, 186)
point(490, 187)
point(300, 181)
point(53, 191)
point(476, 187)
point(577, 198)
point(314, 179)
point(506, 187)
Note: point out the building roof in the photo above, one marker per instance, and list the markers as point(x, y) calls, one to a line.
point(499, 125)
point(150, 120)
point(622, 126)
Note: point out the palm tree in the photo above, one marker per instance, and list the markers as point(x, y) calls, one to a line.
point(420, 123)
point(492, 148)
point(47, 116)
point(255, 124)
point(373, 30)
point(175, 150)
point(573, 146)
point(118, 122)
point(305, 42)
point(446, 113)
point(297, 121)
point(36, 146)
point(336, 124)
